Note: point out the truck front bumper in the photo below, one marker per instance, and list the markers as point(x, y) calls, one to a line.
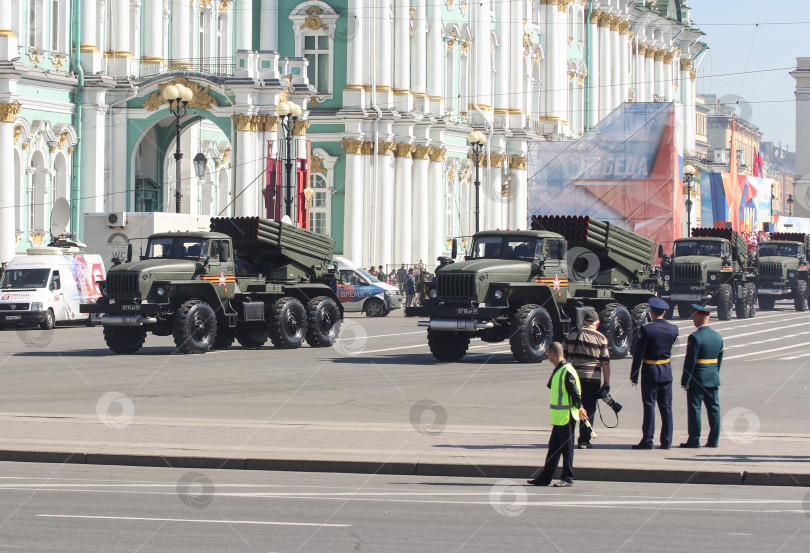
point(455, 318)
point(21, 317)
point(118, 314)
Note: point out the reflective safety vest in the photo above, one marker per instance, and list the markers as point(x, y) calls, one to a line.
point(561, 406)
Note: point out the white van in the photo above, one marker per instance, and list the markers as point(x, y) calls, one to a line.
point(360, 291)
point(47, 285)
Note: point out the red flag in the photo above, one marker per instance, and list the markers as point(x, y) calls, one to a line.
point(758, 164)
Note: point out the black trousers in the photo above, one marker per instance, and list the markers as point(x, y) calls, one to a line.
point(590, 393)
point(659, 393)
point(560, 443)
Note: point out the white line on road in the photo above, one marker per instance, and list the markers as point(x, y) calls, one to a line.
point(382, 335)
point(149, 519)
point(792, 357)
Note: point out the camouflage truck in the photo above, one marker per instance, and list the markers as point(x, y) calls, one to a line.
point(710, 268)
point(530, 287)
point(249, 279)
point(781, 269)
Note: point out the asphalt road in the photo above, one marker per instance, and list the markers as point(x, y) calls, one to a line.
point(377, 372)
point(83, 508)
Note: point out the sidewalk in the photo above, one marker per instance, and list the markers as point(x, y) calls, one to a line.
point(483, 451)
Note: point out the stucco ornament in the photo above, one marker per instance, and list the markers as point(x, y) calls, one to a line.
point(202, 96)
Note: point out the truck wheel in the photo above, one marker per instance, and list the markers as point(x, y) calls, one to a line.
point(742, 306)
point(766, 303)
point(448, 346)
point(725, 298)
point(532, 331)
point(752, 298)
point(225, 336)
point(124, 339)
point(800, 296)
point(195, 327)
point(641, 316)
point(49, 322)
point(375, 308)
point(252, 335)
point(617, 326)
point(323, 322)
point(684, 310)
point(288, 324)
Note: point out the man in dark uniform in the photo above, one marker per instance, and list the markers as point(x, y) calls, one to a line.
point(651, 357)
point(701, 377)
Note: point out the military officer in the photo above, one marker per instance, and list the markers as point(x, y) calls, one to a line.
point(701, 377)
point(651, 357)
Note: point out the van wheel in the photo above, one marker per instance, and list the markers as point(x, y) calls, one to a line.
point(49, 322)
point(375, 308)
point(323, 322)
point(195, 327)
point(288, 324)
point(124, 339)
point(532, 331)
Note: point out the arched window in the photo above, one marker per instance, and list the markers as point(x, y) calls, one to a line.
point(314, 30)
point(38, 193)
point(572, 22)
point(450, 79)
point(322, 174)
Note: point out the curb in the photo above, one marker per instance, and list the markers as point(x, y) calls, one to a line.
point(519, 472)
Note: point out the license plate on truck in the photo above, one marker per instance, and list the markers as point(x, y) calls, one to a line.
point(466, 311)
point(13, 317)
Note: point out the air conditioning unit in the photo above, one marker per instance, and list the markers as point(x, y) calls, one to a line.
point(117, 219)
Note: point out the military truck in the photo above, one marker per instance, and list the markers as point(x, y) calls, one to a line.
point(711, 268)
point(781, 269)
point(530, 287)
point(248, 279)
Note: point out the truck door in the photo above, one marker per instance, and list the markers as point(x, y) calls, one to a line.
point(57, 297)
point(221, 265)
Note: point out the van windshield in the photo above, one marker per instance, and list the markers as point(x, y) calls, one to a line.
point(25, 278)
point(177, 248)
point(371, 278)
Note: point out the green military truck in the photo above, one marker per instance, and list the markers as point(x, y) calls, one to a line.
point(781, 269)
point(710, 268)
point(249, 279)
point(530, 287)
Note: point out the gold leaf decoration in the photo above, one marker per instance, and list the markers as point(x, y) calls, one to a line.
point(202, 96)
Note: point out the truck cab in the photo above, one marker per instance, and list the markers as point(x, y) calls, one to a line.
point(782, 273)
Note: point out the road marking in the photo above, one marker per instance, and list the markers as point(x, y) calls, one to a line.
point(383, 335)
point(150, 519)
point(782, 349)
point(795, 357)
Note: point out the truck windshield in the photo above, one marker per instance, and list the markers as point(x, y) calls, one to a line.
point(712, 249)
point(25, 278)
point(514, 247)
point(177, 247)
point(775, 249)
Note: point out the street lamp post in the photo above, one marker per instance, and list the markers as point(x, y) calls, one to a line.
point(289, 113)
point(688, 174)
point(178, 97)
point(790, 204)
point(477, 139)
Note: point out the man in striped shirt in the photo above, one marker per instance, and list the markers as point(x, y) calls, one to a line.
point(587, 350)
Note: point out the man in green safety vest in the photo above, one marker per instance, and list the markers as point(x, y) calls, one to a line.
point(566, 409)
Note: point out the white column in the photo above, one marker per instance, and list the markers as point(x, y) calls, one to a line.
point(493, 197)
point(268, 35)
point(7, 203)
point(92, 151)
point(120, 37)
point(403, 200)
point(356, 54)
point(555, 81)
point(385, 210)
point(153, 31)
point(402, 56)
point(119, 178)
point(384, 57)
point(605, 82)
point(640, 78)
point(594, 80)
point(435, 59)
point(180, 31)
point(649, 72)
point(437, 203)
point(624, 64)
point(667, 77)
point(502, 97)
point(419, 53)
point(245, 202)
point(659, 73)
point(688, 100)
point(422, 229)
point(514, 37)
point(353, 210)
point(518, 199)
point(482, 80)
point(9, 42)
point(243, 11)
point(615, 63)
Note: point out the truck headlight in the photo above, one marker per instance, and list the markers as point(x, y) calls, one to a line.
point(666, 277)
point(161, 291)
point(36, 306)
point(712, 277)
point(434, 294)
point(498, 294)
point(791, 275)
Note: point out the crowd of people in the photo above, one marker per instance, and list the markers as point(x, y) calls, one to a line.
point(409, 280)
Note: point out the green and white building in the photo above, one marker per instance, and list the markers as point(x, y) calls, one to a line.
point(391, 89)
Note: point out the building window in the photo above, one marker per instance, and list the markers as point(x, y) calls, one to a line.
point(314, 25)
point(36, 24)
point(203, 42)
point(222, 35)
point(56, 26)
point(450, 208)
point(319, 211)
point(316, 52)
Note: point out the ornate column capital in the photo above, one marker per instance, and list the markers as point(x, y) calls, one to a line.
point(352, 146)
point(8, 110)
point(659, 55)
point(437, 154)
point(668, 57)
point(385, 148)
point(686, 65)
point(497, 160)
point(421, 152)
point(517, 162)
point(403, 149)
point(300, 128)
point(482, 159)
point(624, 27)
point(595, 15)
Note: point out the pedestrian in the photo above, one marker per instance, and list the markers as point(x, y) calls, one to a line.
point(373, 271)
point(566, 408)
point(421, 266)
point(3, 270)
point(701, 377)
point(402, 274)
point(410, 288)
point(587, 350)
point(381, 273)
point(651, 357)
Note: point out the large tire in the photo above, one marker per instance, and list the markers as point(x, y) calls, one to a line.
point(766, 303)
point(375, 307)
point(684, 310)
point(617, 326)
point(448, 346)
point(752, 298)
point(725, 301)
point(800, 296)
point(532, 332)
point(225, 336)
point(49, 322)
point(124, 339)
point(323, 322)
point(195, 327)
point(252, 335)
point(640, 314)
point(743, 304)
point(288, 323)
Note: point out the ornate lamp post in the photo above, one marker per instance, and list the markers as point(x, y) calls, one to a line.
point(477, 139)
point(790, 204)
point(688, 175)
point(289, 113)
point(178, 97)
